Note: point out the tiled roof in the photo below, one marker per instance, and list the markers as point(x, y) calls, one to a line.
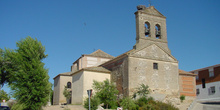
point(64, 74)
point(186, 73)
point(100, 53)
point(97, 69)
point(94, 69)
point(67, 73)
point(206, 68)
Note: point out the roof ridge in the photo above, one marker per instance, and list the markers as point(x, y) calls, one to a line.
point(100, 53)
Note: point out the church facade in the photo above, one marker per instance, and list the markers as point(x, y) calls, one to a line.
point(150, 62)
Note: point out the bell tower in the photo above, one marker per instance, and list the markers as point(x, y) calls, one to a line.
point(150, 28)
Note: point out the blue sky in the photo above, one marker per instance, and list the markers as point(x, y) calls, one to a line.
point(70, 28)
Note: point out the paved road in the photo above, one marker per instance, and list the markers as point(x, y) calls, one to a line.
point(207, 106)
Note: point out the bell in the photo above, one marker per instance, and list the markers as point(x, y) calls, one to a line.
point(157, 33)
point(147, 31)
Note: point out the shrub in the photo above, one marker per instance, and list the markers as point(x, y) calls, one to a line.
point(164, 106)
point(18, 106)
point(142, 91)
point(150, 104)
point(128, 103)
point(182, 97)
point(107, 92)
point(142, 101)
point(94, 102)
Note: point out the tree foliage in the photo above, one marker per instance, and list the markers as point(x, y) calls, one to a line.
point(182, 97)
point(142, 91)
point(128, 103)
point(66, 93)
point(94, 102)
point(25, 73)
point(107, 92)
point(4, 96)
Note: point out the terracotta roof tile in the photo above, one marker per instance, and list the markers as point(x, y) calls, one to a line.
point(100, 53)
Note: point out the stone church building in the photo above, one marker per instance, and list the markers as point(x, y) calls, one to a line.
point(149, 62)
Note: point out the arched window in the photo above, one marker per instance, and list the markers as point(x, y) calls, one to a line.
point(147, 29)
point(69, 85)
point(157, 31)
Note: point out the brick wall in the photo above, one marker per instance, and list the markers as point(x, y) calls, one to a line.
point(187, 85)
point(204, 74)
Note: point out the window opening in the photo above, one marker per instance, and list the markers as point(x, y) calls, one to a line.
point(158, 31)
point(155, 66)
point(147, 29)
point(197, 92)
point(212, 90)
point(203, 83)
point(69, 85)
point(211, 74)
point(197, 75)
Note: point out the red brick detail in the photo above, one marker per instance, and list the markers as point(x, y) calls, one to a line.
point(204, 74)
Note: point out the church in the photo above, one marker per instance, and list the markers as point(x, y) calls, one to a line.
point(150, 62)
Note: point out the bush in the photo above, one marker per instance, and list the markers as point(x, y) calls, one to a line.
point(107, 92)
point(128, 103)
point(164, 106)
point(150, 104)
point(18, 106)
point(142, 101)
point(94, 102)
point(182, 97)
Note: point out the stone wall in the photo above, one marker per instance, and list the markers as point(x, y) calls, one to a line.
point(163, 80)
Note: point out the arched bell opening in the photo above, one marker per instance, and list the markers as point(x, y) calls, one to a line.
point(147, 29)
point(157, 31)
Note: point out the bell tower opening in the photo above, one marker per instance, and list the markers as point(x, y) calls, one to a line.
point(147, 29)
point(150, 28)
point(157, 31)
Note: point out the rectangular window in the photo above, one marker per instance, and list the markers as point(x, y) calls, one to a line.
point(203, 83)
point(155, 66)
point(211, 74)
point(197, 92)
point(212, 90)
point(197, 73)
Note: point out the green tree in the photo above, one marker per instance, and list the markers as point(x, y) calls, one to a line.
point(107, 92)
point(26, 74)
point(94, 102)
point(66, 93)
point(4, 96)
point(4, 64)
point(128, 103)
point(142, 91)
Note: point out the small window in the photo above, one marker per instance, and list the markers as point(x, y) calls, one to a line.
point(197, 92)
point(212, 90)
point(197, 75)
point(211, 74)
point(69, 85)
point(203, 83)
point(155, 66)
